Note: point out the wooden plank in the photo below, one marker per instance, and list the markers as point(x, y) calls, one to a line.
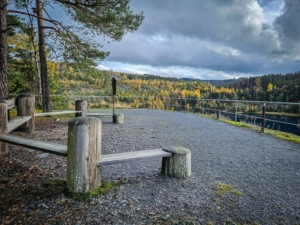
point(16, 122)
point(99, 114)
point(55, 113)
point(130, 156)
point(11, 103)
point(43, 146)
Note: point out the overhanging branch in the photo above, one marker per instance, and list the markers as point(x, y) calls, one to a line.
point(53, 28)
point(29, 14)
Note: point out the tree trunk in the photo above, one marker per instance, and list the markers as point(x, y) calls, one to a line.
point(43, 60)
point(3, 52)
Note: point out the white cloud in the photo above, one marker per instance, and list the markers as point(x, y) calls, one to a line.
point(173, 71)
point(101, 67)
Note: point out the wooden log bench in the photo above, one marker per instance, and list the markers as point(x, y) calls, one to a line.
point(176, 160)
point(117, 118)
point(56, 113)
point(16, 122)
point(43, 146)
point(130, 156)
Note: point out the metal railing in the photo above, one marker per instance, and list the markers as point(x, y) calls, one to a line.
point(235, 110)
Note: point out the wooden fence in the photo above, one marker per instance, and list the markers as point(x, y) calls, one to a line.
point(83, 151)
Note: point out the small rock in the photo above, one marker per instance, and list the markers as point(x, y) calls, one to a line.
point(44, 155)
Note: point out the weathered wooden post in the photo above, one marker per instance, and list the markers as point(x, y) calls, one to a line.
point(26, 107)
point(185, 105)
point(202, 106)
point(81, 105)
point(84, 151)
point(218, 109)
point(236, 108)
point(3, 126)
point(179, 164)
point(263, 118)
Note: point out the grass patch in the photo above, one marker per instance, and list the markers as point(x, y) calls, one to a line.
point(274, 133)
point(236, 192)
point(224, 189)
point(105, 188)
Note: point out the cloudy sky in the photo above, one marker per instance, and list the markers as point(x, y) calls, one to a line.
point(215, 39)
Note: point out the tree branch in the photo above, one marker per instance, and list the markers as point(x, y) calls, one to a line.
point(3, 7)
point(29, 14)
point(53, 28)
point(3, 31)
point(76, 4)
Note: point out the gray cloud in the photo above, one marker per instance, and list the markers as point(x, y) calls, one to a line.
point(288, 22)
point(227, 35)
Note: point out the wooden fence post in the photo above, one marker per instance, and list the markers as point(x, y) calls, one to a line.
point(26, 107)
point(3, 126)
point(263, 118)
point(81, 105)
point(218, 110)
point(84, 151)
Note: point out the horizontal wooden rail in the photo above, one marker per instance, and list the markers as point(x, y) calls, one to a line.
point(11, 103)
point(55, 113)
point(99, 114)
point(16, 122)
point(130, 156)
point(43, 146)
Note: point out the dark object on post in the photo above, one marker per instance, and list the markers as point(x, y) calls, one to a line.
point(218, 110)
point(114, 92)
point(81, 105)
point(114, 85)
point(263, 118)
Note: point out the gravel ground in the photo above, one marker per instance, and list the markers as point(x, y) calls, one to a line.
point(238, 176)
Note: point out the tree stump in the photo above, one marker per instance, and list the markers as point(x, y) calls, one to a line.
point(179, 164)
point(84, 151)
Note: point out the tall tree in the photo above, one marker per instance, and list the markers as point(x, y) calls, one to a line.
point(3, 51)
point(110, 18)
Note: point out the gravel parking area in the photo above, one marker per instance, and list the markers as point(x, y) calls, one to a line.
point(238, 176)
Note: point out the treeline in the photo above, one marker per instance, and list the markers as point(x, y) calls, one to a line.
point(279, 88)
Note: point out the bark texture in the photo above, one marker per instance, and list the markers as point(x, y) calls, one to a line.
point(43, 59)
point(3, 51)
point(3, 126)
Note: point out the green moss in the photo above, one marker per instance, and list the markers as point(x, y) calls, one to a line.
point(236, 192)
point(223, 189)
point(105, 188)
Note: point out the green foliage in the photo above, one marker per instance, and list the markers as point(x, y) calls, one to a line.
point(22, 71)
